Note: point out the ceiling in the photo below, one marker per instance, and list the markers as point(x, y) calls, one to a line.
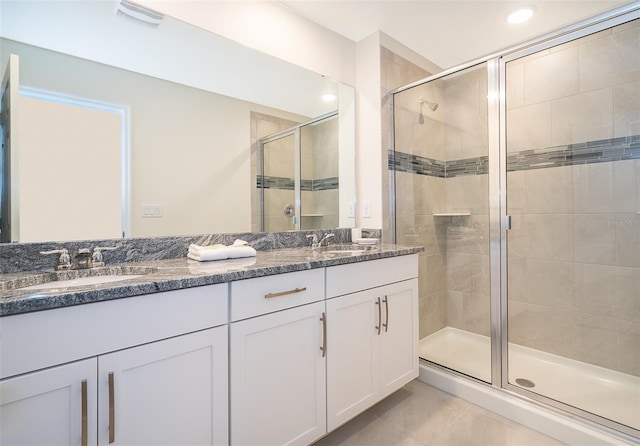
point(447, 32)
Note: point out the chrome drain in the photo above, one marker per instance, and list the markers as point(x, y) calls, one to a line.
point(523, 382)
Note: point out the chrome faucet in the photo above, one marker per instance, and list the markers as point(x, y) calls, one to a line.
point(326, 239)
point(64, 261)
point(314, 241)
point(97, 258)
point(83, 259)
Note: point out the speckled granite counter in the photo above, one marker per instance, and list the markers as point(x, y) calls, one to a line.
point(174, 274)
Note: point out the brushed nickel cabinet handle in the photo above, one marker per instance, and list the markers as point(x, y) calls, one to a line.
point(284, 293)
point(85, 410)
point(112, 410)
point(379, 326)
point(323, 318)
point(386, 311)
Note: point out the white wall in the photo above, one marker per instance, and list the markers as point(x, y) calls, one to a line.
point(272, 29)
point(368, 131)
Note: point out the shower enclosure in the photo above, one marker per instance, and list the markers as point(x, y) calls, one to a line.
point(298, 179)
point(520, 175)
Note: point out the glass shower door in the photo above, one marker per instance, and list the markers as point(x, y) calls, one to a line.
point(573, 194)
point(278, 183)
point(440, 164)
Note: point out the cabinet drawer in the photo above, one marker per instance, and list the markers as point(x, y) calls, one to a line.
point(253, 297)
point(353, 277)
point(42, 339)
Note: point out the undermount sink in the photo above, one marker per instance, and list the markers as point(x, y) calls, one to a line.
point(81, 281)
point(76, 278)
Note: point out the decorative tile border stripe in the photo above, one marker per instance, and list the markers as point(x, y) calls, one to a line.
point(420, 165)
point(602, 151)
point(326, 183)
point(405, 162)
point(284, 183)
point(467, 166)
point(268, 182)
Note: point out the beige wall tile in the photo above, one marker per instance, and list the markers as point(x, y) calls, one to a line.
point(627, 347)
point(516, 192)
point(612, 291)
point(628, 240)
point(552, 284)
point(594, 238)
point(582, 117)
point(529, 127)
point(550, 190)
point(626, 110)
point(455, 309)
point(553, 76)
point(515, 85)
point(610, 60)
point(432, 313)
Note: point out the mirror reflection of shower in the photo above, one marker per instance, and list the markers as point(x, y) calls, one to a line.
point(299, 174)
point(432, 105)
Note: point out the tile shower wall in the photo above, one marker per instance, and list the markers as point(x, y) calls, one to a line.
point(320, 168)
point(280, 172)
point(440, 167)
point(573, 190)
point(412, 229)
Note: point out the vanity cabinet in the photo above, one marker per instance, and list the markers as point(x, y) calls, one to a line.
point(50, 406)
point(277, 367)
point(168, 391)
point(372, 335)
point(302, 366)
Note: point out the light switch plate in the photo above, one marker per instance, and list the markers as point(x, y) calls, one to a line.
point(151, 210)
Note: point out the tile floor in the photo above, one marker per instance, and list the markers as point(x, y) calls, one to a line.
point(421, 415)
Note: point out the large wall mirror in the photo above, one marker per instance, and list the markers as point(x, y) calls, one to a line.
point(134, 129)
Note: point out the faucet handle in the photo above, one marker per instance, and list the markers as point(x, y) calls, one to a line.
point(64, 261)
point(97, 257)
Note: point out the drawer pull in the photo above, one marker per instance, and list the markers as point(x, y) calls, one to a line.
point(379, 326)
point(285, 293)
point(323, 318)
point(85, 411)
point(112, 410)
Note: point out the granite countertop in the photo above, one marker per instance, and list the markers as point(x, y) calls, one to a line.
point(175, 274)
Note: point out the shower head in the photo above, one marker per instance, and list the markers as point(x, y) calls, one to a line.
point(432, 105)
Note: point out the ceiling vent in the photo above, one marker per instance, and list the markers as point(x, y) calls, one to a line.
point(139, 14)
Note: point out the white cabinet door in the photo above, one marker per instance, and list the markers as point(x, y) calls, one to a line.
point(352, 356)
point(278, 386)
point(170, 392)
point(50, 407)
point(399, 336)
point(372, 347)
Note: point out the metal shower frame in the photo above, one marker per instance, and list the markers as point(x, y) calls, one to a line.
point(498, 218)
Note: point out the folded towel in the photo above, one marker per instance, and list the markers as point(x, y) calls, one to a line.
point(239, 249)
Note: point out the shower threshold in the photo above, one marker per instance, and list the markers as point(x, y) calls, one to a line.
point(607, 393)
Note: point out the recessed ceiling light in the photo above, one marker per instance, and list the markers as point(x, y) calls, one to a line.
point(520, 16)
point(328, 97)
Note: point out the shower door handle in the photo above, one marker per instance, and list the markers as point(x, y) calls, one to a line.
point(507, 222)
